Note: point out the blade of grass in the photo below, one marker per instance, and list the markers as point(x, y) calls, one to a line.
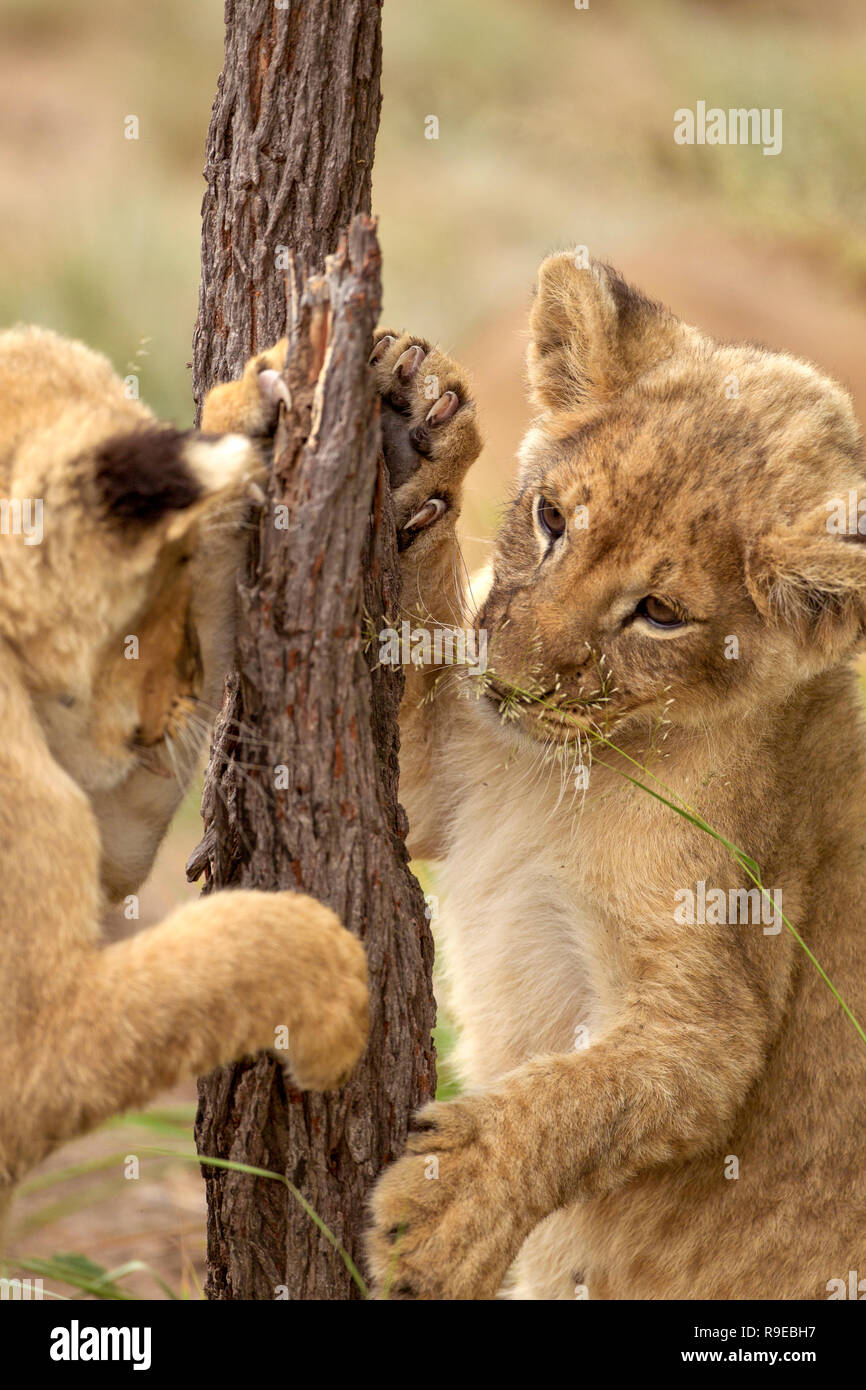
point(139, 1267)
point(254, 1172)
point(71, 1273)
point(754, 872)
point(689, 814)
point(73, 1170)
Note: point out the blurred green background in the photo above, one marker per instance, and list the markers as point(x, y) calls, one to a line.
point(555, 128)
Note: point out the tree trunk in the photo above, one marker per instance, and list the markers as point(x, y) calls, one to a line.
point(289, 163)
point(301, 790)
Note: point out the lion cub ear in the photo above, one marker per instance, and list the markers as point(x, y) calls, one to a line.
point(162, 475)
point(812, 576)
point(591, 333)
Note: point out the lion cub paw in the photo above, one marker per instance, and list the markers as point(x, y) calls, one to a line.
point(430, 432)
point(446, 1221)
point(331, 1017)
point(250, 406)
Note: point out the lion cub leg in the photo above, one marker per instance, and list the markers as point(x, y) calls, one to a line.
point(660, 1084)
point(430, 438)
point(227, 976)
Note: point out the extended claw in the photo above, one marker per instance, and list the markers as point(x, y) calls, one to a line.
point(273, 388)
point(433, 508)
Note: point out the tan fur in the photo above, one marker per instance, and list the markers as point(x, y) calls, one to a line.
point(604, 1166)
point(97, 751)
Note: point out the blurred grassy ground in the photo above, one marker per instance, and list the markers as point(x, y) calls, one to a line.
point(555, 128)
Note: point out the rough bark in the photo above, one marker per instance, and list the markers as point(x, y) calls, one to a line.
point(289, 163)
point(306, 695)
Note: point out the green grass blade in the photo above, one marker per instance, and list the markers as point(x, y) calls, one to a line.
point(73, 1271)
point(254, 1172)
point(688, 813)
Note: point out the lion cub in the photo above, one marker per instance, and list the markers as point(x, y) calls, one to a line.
point(661, 1103)
point(119, 542)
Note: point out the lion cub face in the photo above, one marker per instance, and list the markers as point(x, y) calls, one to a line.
point(667, 552)
point(122, 618)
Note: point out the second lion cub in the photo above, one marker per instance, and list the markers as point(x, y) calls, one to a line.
point(138, 541)
point(655, 1107)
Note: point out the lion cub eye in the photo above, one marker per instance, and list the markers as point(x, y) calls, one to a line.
point(550, 518)
point(659, 613)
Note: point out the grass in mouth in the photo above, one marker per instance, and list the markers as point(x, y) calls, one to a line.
point(519, 700)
